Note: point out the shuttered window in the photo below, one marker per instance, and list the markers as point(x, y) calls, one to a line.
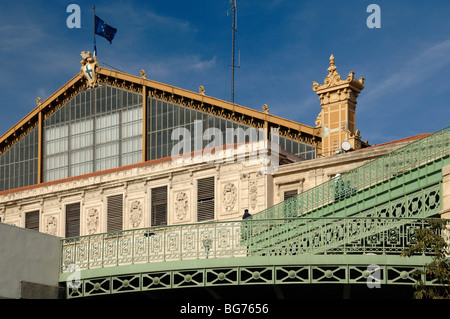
point(114, 213)
point(205, 199)
point(159, 206)
point(289, 194)
point(32, 220)
point(73, 220)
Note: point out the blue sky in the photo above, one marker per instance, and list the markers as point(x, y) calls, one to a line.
point(283, 45)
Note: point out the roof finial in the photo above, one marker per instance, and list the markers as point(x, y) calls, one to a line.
point(332, 67)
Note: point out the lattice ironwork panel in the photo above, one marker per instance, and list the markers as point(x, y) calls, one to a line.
point(401, 275)
point(371, 275)
point(97, 286)
point(222, 276)
point(256, 275)
point(158, 280)
point(188, 278)
point(96, 246)
point(128, 283)
point(140, 247)
point(293, 275)
point(329, 274)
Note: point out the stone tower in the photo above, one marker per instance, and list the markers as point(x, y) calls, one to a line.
point(337, 117)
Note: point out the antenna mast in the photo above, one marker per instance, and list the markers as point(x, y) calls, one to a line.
point(233, 28)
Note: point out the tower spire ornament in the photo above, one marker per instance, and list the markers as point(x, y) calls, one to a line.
point(89, 67)
point(332, 62)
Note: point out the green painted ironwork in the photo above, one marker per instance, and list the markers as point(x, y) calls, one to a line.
point(233, 239)
point(274, 274)
point(342, 235)
point(400, 164)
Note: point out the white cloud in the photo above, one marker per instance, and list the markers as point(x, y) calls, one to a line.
point(168, 22)
point(416, 69)
point(18, 37)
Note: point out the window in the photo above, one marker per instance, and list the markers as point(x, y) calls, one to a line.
point(96, 130)
point(73, 220)
point(114, 213)
point(32, 220)
point(159, 206)
point(18, 165)
point(205, 199)
point(289, 194)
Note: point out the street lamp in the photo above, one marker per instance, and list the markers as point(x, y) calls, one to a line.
point(207, 245)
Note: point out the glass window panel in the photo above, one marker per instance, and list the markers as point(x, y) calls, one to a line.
point(81, 156)
point(107, 150)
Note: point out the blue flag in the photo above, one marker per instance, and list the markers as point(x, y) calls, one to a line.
point(104, 30)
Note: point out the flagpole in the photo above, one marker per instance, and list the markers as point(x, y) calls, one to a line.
point(95, 44)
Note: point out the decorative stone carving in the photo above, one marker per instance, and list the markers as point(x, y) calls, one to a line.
point(143, 74)
point(265, 109)
point(252, 193)
point(92, 220)
point(229, 196)
point(88, 68)
point(51, 225)
point(201, 90)
point(319, 119)
point(333, 79)
point(136, 213)
point(181, 205)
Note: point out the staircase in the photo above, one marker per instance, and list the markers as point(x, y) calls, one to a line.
point(365, 206)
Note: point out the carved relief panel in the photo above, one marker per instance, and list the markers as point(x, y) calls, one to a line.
point(51, 225)
point(136, 213)
point(228, 201)
point(252, 194)
point(229, 197)
point(92, 220)
point(181, 206)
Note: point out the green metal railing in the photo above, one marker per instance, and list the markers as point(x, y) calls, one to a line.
point(238, 239)
point(424, 203)
point(425, 150)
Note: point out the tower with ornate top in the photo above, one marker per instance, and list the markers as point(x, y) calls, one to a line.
point(337, 117)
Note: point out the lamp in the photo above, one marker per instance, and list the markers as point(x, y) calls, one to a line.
point(207, 245)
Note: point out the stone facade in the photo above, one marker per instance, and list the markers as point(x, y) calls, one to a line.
point(238, 186)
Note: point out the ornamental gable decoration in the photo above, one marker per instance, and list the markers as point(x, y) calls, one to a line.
point(88, 68)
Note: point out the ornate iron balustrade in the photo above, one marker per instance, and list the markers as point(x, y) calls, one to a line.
point(238, 239)
point(423, 203)
point(356, 235)
point(426, 150)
